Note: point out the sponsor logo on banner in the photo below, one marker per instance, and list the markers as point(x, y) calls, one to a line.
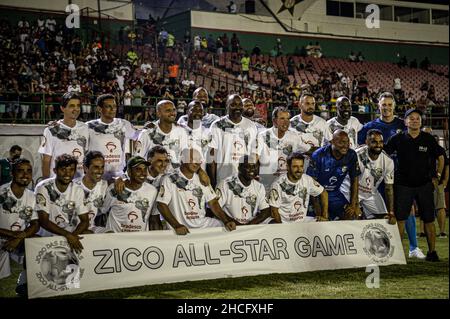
point(377, 243)
point(59, 267)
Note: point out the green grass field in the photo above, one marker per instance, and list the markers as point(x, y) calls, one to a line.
point(418, 279)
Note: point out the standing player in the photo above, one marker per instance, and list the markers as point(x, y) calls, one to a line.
point(18, 220)
point(130, 210)
point(249, 112)
point(182, 198)
point(94, 187)
point(108, 135)
point(289, 194)
point(66, 136)
point(201, 94)
point(345, 121)
point(242, 197)
point(375, 166)
point(416, 177)
point(330, 165)
point(233, 136)
point(165, 133)
point(60, 203)
point(389, 125)
point(275, 144)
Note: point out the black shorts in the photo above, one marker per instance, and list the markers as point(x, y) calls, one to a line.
point(405, 196)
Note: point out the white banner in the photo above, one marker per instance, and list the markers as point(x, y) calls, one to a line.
point(122, 260)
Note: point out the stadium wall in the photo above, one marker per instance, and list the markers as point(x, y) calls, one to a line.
point(264, 31)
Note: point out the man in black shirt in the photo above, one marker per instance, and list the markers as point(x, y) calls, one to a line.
point(415, 178)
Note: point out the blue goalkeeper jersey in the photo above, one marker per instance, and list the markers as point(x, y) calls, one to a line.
point(388, 129)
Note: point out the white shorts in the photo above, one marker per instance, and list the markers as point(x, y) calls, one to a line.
point(5, 268)
point(373, 205)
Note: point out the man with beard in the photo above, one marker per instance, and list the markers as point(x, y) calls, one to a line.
point(182, 198)
point(314, 130)
point(109, 135)
point(289, 194)
point(275, 144)
point(249, 112)
point(345, 121)
point(94, 187)
point(416, 175)
point(66, 136)
point(18, 220)
point(242, 197)
point(375, 166)
point(60, 203)
point(233, 136)
point(165, 133)
point(389, 125)
point(130, 210)
point(330, 165)
point(201, 94)
point(6, 164)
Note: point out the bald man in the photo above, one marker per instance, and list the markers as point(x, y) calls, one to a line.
point(201, 94)
point(165, 132)
point(345, 121)
point(330, 166)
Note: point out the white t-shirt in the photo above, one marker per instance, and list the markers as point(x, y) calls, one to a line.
point(130, 210)
point(63, 208)
point(240, 202)
point(93, 199)
point(186, 199)
point(232, 141)
point(62, 139)
point(173, 142)
point(314, 133)
point(16, 213)
point(201, 139)
point(397, 84)
point(292, 199)
point(352, 128)
point(372, 174)
point(109, 139)
point(274, 151)
point(207, 120)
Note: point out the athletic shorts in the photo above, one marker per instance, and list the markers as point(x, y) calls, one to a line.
point(373, 207)
point(336, 203)
point(439, 197)
point(404, 197)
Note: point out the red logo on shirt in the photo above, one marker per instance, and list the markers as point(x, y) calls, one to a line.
point(111, 147)
point(191, 203)
point(59, 220)
point(76, 152)
point(132, 216)
point(15, 226)
point(297, 206)
point(244, 212)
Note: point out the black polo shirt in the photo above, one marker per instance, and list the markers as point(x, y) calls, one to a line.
point(416, 158)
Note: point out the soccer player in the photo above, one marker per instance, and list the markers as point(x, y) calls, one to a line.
point(182, 198)
point(289, 194)
point(108, 135)
point(60, 203)
point(415, 176)
point(233, 136)
point(18, 219)
point(202, 95)
point(66, 136)
point(94, 187)
point(389, 125)
point(330, 165)
point(345, 121)
point(375, 166)
point(314, 129)
point(165, 133)
point(275, 144)
point(249, 112)
point(242, 197)
point(131, 210)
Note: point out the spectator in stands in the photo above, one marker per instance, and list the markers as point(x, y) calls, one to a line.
point(425, 64)
point(245, 66)
point(403, 62)
point(173, 72)
point(411, 101)
point(352, 57)
point(219, 46)
point(138, 95)
point(256, 50)
point(424, 87)
point(413, 64)
point(317, 50)
point(235, 44)
point(226, 43)
point(232, 7)
point(310, 49)
point(422, 104)
point(197, 43)
point(360, 57)
point(397, 86)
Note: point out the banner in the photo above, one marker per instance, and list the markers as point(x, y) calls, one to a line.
point(122, 260)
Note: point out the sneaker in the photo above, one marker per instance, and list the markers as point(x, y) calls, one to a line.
point(416, 253)
point(442, 235)
point(432, 256)
point(22, 291)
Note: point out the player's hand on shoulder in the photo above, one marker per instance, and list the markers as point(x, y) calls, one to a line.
point(149, 125)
